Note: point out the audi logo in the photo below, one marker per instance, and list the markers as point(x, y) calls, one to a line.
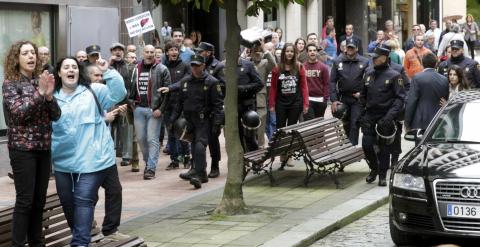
point(470, 192)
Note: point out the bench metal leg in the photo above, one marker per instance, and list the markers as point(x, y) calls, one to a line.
point(310, 171)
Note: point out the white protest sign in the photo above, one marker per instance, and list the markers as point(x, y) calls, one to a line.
point(139, 24)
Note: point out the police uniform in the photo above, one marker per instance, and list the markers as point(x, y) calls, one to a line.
point(470, 67)
point(200, 102)
point(345, 80)
point(215, 69)
point(382, 99)
point(249, 84)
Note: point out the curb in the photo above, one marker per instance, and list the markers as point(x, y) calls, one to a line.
point(307, 233)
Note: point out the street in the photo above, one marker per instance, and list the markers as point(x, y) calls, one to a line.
point(370, 231)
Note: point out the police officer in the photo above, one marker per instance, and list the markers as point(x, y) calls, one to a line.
point(249, 84)
point(382, 99)
point(396, 147)
point(346, 84)
point(470, 67)
point(215, 69)
point(200, 102)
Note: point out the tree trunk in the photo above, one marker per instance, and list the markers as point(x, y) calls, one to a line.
point(232, 200)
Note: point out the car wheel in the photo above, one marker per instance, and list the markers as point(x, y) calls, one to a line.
point(401, 238)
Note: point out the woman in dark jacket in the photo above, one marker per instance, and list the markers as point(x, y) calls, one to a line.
point(29, 108)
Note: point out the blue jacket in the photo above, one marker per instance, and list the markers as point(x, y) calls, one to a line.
point(81, 141)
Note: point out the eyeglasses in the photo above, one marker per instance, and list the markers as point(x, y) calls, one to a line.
point(416, 29)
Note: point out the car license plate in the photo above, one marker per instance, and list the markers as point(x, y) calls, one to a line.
point(463, 211)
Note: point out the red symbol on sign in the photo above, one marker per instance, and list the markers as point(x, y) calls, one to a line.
point(143, 22)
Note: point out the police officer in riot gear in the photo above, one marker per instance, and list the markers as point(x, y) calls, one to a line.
point(248, 84)
point(215, 69)
point(345, 86)
point(470, 67)
point(382, 99)
point(200, 102)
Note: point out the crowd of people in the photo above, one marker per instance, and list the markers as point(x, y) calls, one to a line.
point(84, 112)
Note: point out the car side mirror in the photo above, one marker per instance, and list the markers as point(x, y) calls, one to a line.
point(414, 135)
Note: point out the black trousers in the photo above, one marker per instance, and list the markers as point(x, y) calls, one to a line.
point(287, 116)
point(315, 109)
point(214, 145)
point(471, 47)
point(113, 201)
point(31, 171)
point(201, 128)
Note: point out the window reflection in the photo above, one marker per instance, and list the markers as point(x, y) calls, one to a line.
point(459, 122)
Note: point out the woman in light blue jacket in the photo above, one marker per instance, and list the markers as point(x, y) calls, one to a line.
point(82, 147)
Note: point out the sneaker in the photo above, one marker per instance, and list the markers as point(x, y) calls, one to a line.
point(125, 162)
point(371, 177)
point(173, 165)
point(135, 166)
point(117, 236)
point(148, 174)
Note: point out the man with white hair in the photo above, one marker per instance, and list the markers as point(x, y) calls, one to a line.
point(454, 34)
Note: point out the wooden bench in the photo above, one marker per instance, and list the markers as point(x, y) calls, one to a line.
point(55, 228)
point(283, 143)
point(326, 148)
point(322, 143)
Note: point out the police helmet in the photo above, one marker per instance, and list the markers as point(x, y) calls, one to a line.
point(386, 134)
point(341, 111)
point(182, 130)
point(251, 120)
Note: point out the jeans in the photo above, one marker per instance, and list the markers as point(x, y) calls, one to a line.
point(271, 126)
point(31, 170)
point(262, 112)
point(78, 194)
point(113, 201)
point(148, 133)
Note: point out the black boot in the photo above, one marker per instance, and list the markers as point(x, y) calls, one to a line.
point(187, 175)
point(214, 169)
point(382, 180)
point(197, 179)
point(372, 176)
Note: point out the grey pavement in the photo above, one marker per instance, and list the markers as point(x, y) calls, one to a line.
point(371, 230)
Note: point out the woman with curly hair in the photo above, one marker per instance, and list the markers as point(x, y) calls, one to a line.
point(29, 108)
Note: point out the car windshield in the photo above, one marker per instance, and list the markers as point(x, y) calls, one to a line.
point(458, 123)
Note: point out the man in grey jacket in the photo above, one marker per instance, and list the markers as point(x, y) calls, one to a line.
point(427, 88)
point(149, 106)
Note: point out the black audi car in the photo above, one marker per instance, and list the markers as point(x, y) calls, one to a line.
point(435, 188)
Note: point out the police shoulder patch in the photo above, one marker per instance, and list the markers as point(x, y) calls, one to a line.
point(400, 82)
point(205, 88)
point(467, 69)
point(387, 82)
point(478, 66)
point(219, 88)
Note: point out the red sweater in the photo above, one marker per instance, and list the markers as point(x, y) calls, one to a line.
point(317, 79)
point(301, 85)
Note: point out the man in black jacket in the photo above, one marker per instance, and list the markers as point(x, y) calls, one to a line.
point(350, 35)
point(428, 87)
point(179, 150)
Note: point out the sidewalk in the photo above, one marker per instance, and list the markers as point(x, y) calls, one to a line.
point(288, 214)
